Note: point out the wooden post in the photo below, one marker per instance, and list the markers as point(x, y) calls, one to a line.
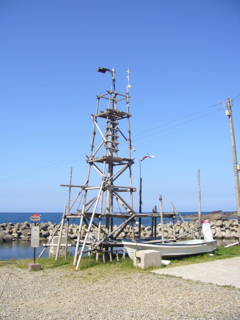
point(140, 188)
point(89, 227)
point(117, 256)
point(236, 167)
point(60, 234)
point(199, 197)
point(69, 190)
point(161, 217)
point(140, 201)
point(174, 227)
point(110, 254)
point(103, 255)
point(155, 227)
point(66, 247)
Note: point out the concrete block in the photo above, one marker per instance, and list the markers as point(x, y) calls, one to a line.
point(147, 258)
point(34, 267)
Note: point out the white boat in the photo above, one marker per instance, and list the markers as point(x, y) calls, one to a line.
point(174, 248)
point(170, 249)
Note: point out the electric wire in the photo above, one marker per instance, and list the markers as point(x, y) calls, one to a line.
point(161, 128)
point(181, 118)
point(172, 127)
point(216, 107)
point(234, 101)
point(41, 170)
point(136, 137)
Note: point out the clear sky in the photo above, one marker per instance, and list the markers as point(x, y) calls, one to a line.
point(184, 58)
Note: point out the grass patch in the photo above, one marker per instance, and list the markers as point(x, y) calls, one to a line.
point(89, 266)
point(45, 262)
point(218, 254)
point(92, 269)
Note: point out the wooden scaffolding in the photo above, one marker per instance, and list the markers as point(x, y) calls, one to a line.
point(104, 195)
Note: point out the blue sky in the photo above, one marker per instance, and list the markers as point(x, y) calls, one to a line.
point(184, 62)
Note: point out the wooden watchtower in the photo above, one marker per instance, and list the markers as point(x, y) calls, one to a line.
point(104, 196)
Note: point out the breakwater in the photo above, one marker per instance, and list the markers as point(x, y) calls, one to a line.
point(221, 229)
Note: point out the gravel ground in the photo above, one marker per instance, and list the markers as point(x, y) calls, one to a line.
point(52, 295)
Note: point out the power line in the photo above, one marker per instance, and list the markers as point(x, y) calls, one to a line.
point(159, 129)
point(234, 101)
point(237, 97)
point(177, 125)
point(41, 170)
point(178, 119)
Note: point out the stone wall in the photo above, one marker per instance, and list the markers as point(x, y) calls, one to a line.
point(221, 229)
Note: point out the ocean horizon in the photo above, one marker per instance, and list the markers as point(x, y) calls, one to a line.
point(17, 217)
point(53, 217)
point(22, 249)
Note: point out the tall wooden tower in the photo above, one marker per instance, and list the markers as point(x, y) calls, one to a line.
point(107, 193)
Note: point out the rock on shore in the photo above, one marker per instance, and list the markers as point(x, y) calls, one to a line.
point(221, 226)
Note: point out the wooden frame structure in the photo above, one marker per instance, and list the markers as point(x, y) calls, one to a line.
point(104, 196)
point(101, 197)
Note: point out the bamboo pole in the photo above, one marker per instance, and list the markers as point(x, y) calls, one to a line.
point(89, 228)
point(60, 234)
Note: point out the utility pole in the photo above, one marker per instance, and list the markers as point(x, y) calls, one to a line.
point(199, 198)
point(140, 188)
point(236, 167)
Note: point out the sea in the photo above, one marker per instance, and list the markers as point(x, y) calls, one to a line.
point(55, 217)
point(22, 249)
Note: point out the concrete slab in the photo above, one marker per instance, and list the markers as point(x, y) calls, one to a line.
point(34, 267)
point(221, 272)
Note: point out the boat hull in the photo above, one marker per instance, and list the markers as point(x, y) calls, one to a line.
point(171, 249)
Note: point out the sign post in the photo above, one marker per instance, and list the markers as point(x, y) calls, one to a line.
point(34, 241)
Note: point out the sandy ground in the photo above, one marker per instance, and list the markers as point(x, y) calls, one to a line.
point(69, 295)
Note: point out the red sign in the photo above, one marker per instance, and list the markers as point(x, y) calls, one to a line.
point(35, 217)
